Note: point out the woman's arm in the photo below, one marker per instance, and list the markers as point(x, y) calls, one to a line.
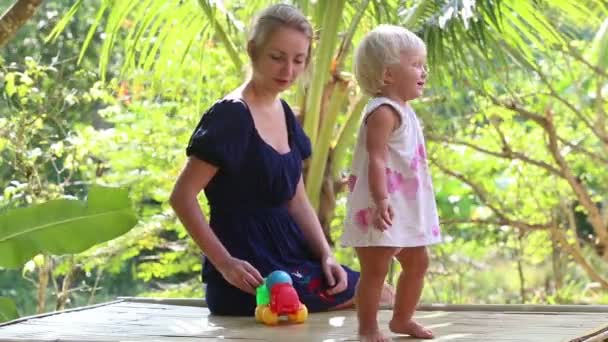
point(194, 177)
point(301, 210)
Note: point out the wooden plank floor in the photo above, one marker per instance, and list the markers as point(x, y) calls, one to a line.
point(126, 320)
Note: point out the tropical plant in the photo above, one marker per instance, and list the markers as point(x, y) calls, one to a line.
point(537, 148)
point(45, 98)
point(62, 226)
point(158, 45)
point(329, 103)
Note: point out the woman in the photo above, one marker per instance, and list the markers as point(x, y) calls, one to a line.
point(247, 153)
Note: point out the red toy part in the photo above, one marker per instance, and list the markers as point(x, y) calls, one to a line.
point(284, 299)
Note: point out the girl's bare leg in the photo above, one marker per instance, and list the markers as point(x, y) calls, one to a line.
point(414, 263)
point(374, 263)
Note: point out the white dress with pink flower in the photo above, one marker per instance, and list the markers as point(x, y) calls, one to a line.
point(409, 187)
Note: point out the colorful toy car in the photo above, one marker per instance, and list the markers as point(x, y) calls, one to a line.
point(277, 298)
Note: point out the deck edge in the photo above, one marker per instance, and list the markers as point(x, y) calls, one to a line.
point(51, 313)
point(582, 308)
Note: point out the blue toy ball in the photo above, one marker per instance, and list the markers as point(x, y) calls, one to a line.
point(277, 277)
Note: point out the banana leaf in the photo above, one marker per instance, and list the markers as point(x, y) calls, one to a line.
point(64, 226)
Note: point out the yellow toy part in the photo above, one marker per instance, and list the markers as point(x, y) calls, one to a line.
point(300, 316)
point(258, 312)
point(269, 317)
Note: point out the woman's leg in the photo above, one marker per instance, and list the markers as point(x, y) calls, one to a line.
point(224, 299)
point(387, 299)
point(374, 263)
point(414, 263)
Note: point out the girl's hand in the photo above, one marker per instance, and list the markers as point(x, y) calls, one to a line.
point(239, 273)
point(383, 215)
point(335, 275)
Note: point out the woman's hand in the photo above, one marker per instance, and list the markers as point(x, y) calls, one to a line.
point(239, 273)
point(335, 275)
point(383, 215)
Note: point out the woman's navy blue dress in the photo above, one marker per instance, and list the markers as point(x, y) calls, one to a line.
point(247, 199)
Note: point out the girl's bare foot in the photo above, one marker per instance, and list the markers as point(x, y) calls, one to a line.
point(410, 328)
point(376, 336)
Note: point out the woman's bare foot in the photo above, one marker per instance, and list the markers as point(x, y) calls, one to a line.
point(410, 328)
point(376, 336)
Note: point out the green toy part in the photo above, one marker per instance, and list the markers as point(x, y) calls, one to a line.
point(262, 295)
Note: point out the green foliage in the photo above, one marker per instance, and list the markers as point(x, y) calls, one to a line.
point(481, 254)
point(501, 155)
point(45, 98)
point(64, 226)
point(8, 310)
point(44, 95)
point(164, 64)
point(145, 148)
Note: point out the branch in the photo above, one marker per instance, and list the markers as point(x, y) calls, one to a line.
point(63, 296)
point(507, 153)
point(15, 17)
point(581, 193)
point(43, 281)
point(95, 285)
point(583, 196)
point(482, 194)
point(570, 106)
point(512, 105)
point(575, 251)
point(573, 53)
point(500, 222)
point(582, 150)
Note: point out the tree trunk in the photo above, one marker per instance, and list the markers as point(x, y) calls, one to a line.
point(17, 15)
point(520, 268)
point(64, 295)
point(556, 265)
point(43, 281)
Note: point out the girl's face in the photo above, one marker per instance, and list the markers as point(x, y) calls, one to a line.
point(283, 58)
point(407, 78)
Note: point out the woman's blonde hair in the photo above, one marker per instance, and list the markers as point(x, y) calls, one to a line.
point(272, 19)
point(378, 49)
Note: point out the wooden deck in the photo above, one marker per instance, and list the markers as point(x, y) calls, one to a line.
point(187, 320)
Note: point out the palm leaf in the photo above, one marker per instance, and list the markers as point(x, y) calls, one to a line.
point(64, 226)
point(494, 23)
point(154, 35)
point(322, 62)
point(599, 48)
point(471, 38)
point(497, 32)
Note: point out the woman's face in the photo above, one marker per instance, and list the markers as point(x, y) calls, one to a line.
point(278, 63)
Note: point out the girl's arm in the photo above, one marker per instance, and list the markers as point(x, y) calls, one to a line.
point(194, 177)
point(380, 124)
point(301, 210)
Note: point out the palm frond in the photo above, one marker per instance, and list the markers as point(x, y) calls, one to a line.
point(155, 35)
point(463, 35)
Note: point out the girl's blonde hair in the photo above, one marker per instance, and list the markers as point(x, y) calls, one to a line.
point(272, 19)
point(378, 49)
